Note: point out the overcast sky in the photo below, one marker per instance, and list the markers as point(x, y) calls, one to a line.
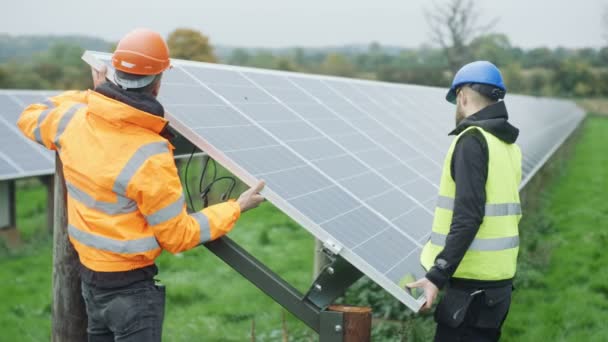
point(277, 23)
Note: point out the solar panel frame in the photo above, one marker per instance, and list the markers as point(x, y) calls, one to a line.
point(435, 124)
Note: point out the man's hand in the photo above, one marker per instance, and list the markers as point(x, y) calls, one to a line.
point(251, 198)
point(99, 76)
point(430, 291)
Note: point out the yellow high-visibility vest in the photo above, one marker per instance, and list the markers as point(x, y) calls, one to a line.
point(493, 253)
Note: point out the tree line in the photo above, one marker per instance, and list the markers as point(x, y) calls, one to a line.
point(560, 72)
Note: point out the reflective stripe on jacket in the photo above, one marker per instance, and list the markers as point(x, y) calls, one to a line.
point(125, 199)
point(493, 253)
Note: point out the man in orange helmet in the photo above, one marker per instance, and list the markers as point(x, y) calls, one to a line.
point(125, 200)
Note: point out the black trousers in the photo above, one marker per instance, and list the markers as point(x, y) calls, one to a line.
point(475, 315)
point(128, 314)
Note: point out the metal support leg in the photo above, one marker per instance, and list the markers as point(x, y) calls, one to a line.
point(266, 280)
point(333, 280)
point(332, 326)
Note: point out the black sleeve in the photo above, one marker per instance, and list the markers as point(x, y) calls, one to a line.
point(469, 170)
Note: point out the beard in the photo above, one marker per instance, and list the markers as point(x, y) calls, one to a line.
point(459, 115)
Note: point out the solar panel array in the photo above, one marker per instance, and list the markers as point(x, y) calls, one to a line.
point(357, 163)
point(20, 157)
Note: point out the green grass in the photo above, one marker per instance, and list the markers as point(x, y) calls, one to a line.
point(25, 290)
point(562, 282)
point(564, 295)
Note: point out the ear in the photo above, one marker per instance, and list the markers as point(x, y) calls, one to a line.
point(156, 89)
point(463, 98)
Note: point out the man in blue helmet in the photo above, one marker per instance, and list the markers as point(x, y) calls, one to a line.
point(472, 251)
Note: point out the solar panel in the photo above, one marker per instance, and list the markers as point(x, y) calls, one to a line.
point(20, 157)
point(356, 163)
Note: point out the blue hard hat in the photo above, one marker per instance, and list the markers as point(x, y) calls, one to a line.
point(479, 72)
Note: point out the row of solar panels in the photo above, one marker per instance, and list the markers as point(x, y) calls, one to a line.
point(356, 163)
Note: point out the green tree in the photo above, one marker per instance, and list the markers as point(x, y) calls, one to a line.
point(62, 68)
point(540, 82)
point(4, 77)
point(285, 64)
point(513, 78)
point(239, 57)
point(575, 78)
point(603, 56)
point(492, 47)
point(540, 58)
point(337, 64)
point(191, 45)
point(263, 59)
point(299, 56)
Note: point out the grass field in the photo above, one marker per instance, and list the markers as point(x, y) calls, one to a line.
point(565, 297)
point(562, 290)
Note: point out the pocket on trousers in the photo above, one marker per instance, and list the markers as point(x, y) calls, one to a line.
point(160, 297)
point(495, 307)
point(124, 312)
point(453, 308)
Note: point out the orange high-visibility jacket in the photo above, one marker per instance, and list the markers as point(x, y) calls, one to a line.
point(125, 200)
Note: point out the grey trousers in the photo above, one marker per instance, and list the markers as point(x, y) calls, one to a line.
point(129, 314)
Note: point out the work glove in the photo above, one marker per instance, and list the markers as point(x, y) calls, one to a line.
point(251, 198)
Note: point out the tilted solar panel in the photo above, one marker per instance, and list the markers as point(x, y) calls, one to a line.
point(356, 163)
point(20, 157)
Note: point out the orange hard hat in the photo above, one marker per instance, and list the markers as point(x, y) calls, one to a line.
point(141, 52)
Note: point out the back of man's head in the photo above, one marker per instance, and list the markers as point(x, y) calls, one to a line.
point(478, 98)
point(140, 58)
point(145, 84)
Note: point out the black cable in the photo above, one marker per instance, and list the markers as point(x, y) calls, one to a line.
point(214, 169)
point(186, 176)
point(203, 174)
point(205, 192)
point(200, 183)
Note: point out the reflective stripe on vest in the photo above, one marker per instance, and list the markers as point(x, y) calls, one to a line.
point(41, 118)
point(166, 213)
point(492, 209)
point(123, 205)
point(137, 160)
point(112, 245)
point(64, 121)
point(173, 210)
point(203, 223)
point(496, 244)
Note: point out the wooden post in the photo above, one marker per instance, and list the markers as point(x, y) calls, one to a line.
point(69, 321)
point(357, 324)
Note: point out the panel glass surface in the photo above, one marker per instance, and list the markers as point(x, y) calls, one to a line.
point(20, 157)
